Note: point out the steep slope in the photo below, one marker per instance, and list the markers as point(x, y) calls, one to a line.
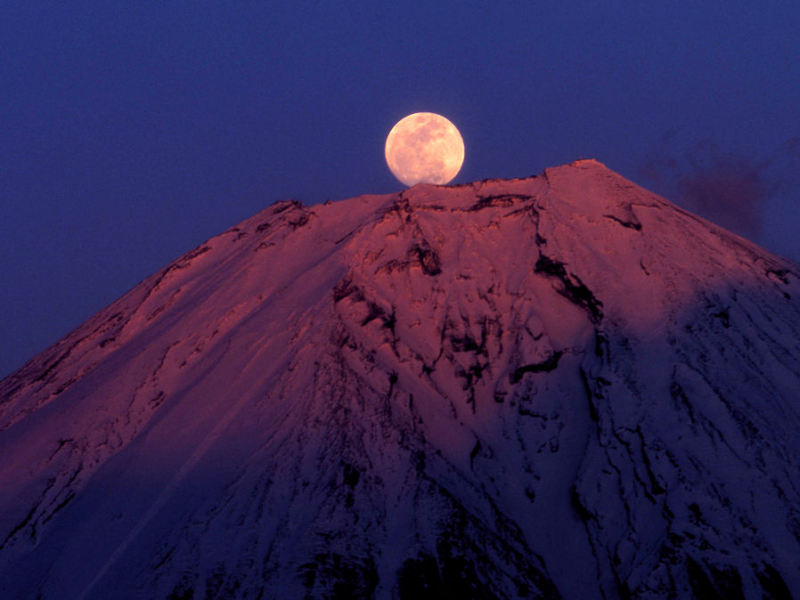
point(561, 386)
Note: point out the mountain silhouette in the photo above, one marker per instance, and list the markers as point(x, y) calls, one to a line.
point(561, 386)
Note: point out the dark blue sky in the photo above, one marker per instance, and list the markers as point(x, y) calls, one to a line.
point(131, 132)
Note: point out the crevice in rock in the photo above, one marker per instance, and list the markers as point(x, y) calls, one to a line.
point(573, 288)
point(772, 584)
point(284, 205)
point(633, 224)
point(427, 258)
point(496, 201)
point(547, 365)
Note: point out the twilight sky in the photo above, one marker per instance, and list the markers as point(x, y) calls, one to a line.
point(132, 132)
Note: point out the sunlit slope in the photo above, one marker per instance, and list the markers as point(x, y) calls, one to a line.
point(554, 386)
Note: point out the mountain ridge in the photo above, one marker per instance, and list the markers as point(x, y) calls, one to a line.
point(558, 385)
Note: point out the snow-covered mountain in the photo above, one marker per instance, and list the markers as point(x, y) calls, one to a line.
point(560, 386)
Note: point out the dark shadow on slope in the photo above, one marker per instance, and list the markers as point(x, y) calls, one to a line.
point(727, 412)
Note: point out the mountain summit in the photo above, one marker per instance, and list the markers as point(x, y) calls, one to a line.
point(559, 386)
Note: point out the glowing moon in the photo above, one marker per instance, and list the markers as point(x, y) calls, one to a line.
point(424, 148)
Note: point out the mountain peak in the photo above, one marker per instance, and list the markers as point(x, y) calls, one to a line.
point(561, 385)
point(583, 164)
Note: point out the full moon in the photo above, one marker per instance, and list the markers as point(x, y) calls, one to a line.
point(424, 148)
